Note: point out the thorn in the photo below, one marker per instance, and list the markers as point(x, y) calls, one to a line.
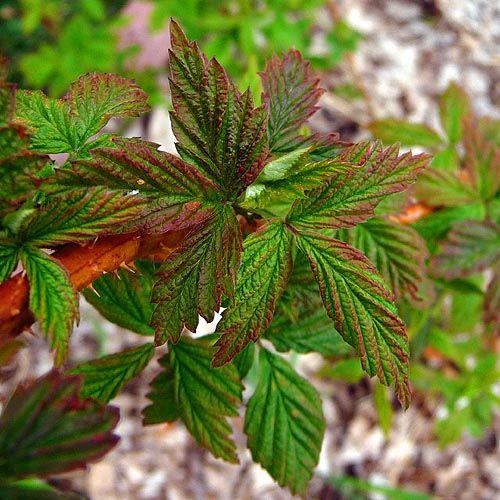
point(129, 267)
point(91, 286)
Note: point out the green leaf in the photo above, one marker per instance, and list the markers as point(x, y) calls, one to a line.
point(34, 489)
point(53, 299)
point(205, 395)
point(217, 127)
point(348, 370)
point(312, 332)
point(245, 360)
point(471, 246)
point(447, 159)
point(492, 302)
point(284, 423)
point(291, 93)
point(362, 308)
point(289, 177)
point(191, 281)
point(454, 106)
point(397, 251)
point(65, 125)
point(383, 407)
point(80, 215)
point(103, 378)
point(9, 257)
point(408, 134)
point(444, 188)
point(124, 298)
point(265, 267)
point(351, 196)
point(46, 428)
point(163, 407)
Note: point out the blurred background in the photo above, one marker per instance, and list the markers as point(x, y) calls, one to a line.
point(384, 63)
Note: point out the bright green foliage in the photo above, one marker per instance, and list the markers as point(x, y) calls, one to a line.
point(218, 129)
point(289, 177)
point(103, 378)
point(192, 280)
point(265, 267)
point(397, 251)
point(204, 396)
point(46, 428)
point(492, 302)
point(350, 197)
point(383, 407)
point(469, 247)
point(65, 125)
point(360, 304)
point(124, 298)
point(53, 300)
point(284, 423)
point(9, 257)
point(454, 106)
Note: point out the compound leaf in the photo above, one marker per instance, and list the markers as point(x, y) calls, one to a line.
point(291, 93)
point(47, 428)
point(350, 197)
point(471, 246)
point(361, 306)
point(218, 129)
point(265, 267)
point(194, 277)
point(205, 395)
point(284, 423)
point(53, 299)
point(124, 298)
point(103, 378)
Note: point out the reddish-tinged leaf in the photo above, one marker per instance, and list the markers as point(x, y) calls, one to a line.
point(291, 93)
point(47, 429)
point(194, 277)
point(266, 265)
point(361, 306)
point(471, 246)
point(217, 127)
point(134, 164)
point(351, 196)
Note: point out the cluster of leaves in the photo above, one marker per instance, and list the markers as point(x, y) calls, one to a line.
point(462, 233)
point(306, 194)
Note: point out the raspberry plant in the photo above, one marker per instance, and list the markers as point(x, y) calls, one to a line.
point(247, 218)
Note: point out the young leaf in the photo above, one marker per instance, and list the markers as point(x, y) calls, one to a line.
point(360, 304)
point(454, 106)
point(103, 378)
point(80, 215)
point(192, 280)
point(205, 396)
point(284, 423)
point(9, 257)
point(408, 134)
point(125, 298)
point(218, 129)
point(351, 196)
point(471, 246)
point(397, 251)
point(163, 407)
point(265, 267)
point(289, 177)
point(46, 428)
point(312, 332)
point(65, 125)
point(53, 299)
point(291, 93)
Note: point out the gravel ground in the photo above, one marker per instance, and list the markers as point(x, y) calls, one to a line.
point(410, 51)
